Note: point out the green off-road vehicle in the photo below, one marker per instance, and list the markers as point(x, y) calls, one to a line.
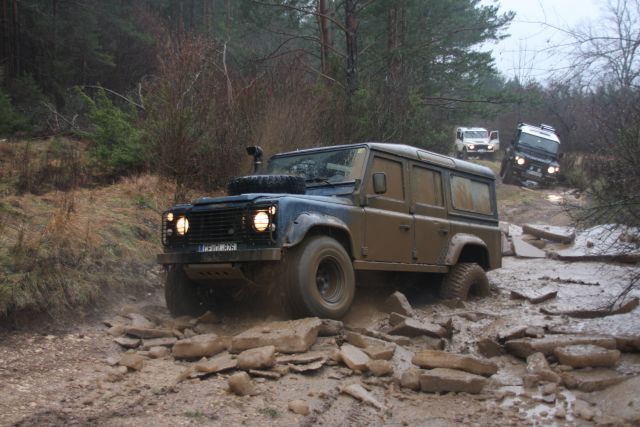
point(317, 217)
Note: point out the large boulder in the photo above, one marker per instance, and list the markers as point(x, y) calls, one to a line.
point(592, 380)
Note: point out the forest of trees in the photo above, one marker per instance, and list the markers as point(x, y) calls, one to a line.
point(182, 86)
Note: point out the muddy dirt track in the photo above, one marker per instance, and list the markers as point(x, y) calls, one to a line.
point(69, 374)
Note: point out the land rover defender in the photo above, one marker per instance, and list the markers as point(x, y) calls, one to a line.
point(532, 157)
point(318, 216)
point(475, 141)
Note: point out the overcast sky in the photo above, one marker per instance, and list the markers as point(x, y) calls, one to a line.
point(525, 53)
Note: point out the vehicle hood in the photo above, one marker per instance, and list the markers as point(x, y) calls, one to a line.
point(254, 197)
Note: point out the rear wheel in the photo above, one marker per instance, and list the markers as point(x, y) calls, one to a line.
point(319, 278)
point(465, 278)
point(181, 293)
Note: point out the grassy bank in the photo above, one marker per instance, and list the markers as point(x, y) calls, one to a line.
point(63, 250)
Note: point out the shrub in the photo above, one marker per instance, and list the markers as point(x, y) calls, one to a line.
point(118, 147)
point(10, 121)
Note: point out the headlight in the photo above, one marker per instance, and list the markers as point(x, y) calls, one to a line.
point(471, 146)
point(490, 147)
point(261, 221)
point(520, 160)
point(169, 217)
point(182, 226)
point(551, 169)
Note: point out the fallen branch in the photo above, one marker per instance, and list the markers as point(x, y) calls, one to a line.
point(113, 92)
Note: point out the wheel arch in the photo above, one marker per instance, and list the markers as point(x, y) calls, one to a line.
point(468, 248)
point(312, 223)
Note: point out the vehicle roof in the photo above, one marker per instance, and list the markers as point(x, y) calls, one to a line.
point(409, 152)
point(536, 131)
point(472, 129)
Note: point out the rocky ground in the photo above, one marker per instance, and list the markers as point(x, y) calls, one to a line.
point(546, 348)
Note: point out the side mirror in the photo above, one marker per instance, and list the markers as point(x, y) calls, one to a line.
point(379, 183)
point(493, 135)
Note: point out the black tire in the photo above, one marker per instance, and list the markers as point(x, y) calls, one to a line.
point(266, 184)
point(506, 172)
point(465, 278)
point(320, 280)
point(181, 293)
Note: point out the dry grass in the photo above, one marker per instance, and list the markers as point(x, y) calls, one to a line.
point(64, 250)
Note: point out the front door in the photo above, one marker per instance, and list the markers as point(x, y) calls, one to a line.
point(389, 225)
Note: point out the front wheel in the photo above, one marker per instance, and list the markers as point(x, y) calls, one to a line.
point(181, 293)
point(465, 278)
point(320, 279)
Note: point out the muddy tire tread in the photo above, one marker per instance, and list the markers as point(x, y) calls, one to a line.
point(463, 278)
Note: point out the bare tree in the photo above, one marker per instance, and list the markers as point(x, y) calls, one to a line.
point(608, 50)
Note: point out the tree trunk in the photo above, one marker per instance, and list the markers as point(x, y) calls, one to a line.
point(324, 35)
point(351, 36)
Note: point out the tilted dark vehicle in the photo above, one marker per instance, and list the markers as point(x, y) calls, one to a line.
point(532, 156)
point(317, 216)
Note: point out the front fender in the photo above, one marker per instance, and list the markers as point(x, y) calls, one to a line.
point(458, 242)
point(306, 221)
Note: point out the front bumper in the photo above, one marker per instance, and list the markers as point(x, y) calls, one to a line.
point(524, 173)
point(243, 255)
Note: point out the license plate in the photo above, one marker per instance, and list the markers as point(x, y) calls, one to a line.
point(218, 247)
point(534, 173)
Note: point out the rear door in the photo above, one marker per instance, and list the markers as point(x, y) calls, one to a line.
point(431, 229)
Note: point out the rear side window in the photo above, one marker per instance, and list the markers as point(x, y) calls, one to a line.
point(427, 186)
point(471, 195)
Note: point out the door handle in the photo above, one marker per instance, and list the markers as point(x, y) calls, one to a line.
point(443, 231)
point(405, 227)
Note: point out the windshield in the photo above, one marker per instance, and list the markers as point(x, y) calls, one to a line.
point(538, 142)
point(323, 166)
point(476, 134)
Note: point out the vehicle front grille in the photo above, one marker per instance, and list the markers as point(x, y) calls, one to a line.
point(222, 225)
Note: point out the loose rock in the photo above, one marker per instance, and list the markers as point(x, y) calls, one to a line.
point(412, 328)
point(587, 355)
point(257, 358)
point(158, 352)
point(525, 346)
point(240, 383)
point(127, 342)
point(443, 379)
point(353, 357)
point(397, 302)
point(309, 367)
point(299, 407)
point(158, 342)
point(271, 375)
point(148, 332)
point(360, 393)
point(411, 378)
point(220, 363)
point(131, 361)
point(380, 368)
point(489, 348)
point(582, 410)
point(330, 328)
point(440, 359)
point(208, 317)
point(537, 365)
point(593, 380)
point(380, 353)
point(294, 336)
point(199, 346)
